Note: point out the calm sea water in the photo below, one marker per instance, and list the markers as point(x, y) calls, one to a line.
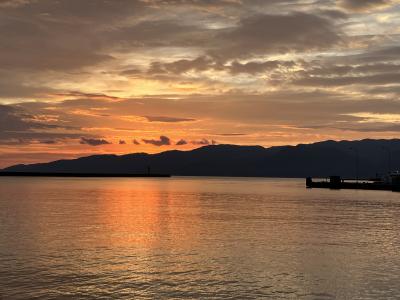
point(196, 238)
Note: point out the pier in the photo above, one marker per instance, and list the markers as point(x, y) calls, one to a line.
point(337, 183)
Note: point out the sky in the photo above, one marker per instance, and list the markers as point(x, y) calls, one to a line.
point(120, 76)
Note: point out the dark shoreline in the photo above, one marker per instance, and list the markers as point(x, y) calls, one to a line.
point(64, 174)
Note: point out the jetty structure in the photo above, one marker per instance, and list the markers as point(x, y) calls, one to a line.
point(389, 182)
point(65, 174)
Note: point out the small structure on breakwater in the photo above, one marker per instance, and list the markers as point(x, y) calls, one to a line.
point(390, 182)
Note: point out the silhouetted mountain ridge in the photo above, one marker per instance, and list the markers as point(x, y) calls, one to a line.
point(318, 159)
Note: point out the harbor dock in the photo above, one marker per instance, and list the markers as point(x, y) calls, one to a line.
point(392, 183)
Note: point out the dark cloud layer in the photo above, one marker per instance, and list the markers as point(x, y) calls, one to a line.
point(18, 126)
point(163, 141)
point(377, 79)
point(278, 34)
point(166, 119)
point(13, 118)
point(203, 142)
point(203, 63)
point(94, 142)
point(36, 44)
point(361, 5)
point(181, 142)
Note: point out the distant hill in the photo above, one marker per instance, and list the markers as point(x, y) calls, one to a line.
point(318, 160)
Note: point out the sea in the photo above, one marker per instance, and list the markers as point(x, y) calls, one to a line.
point(195, 238)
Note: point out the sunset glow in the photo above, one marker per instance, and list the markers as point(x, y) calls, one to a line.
point(87, 77)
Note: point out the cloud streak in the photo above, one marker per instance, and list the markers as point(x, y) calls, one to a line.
point(365, 5)
point(163, 141)
point(94, 142)
point(181, 142)
point(165, 119)
point(203, 142)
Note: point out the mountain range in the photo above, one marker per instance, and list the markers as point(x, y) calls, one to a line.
point(363, 159)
